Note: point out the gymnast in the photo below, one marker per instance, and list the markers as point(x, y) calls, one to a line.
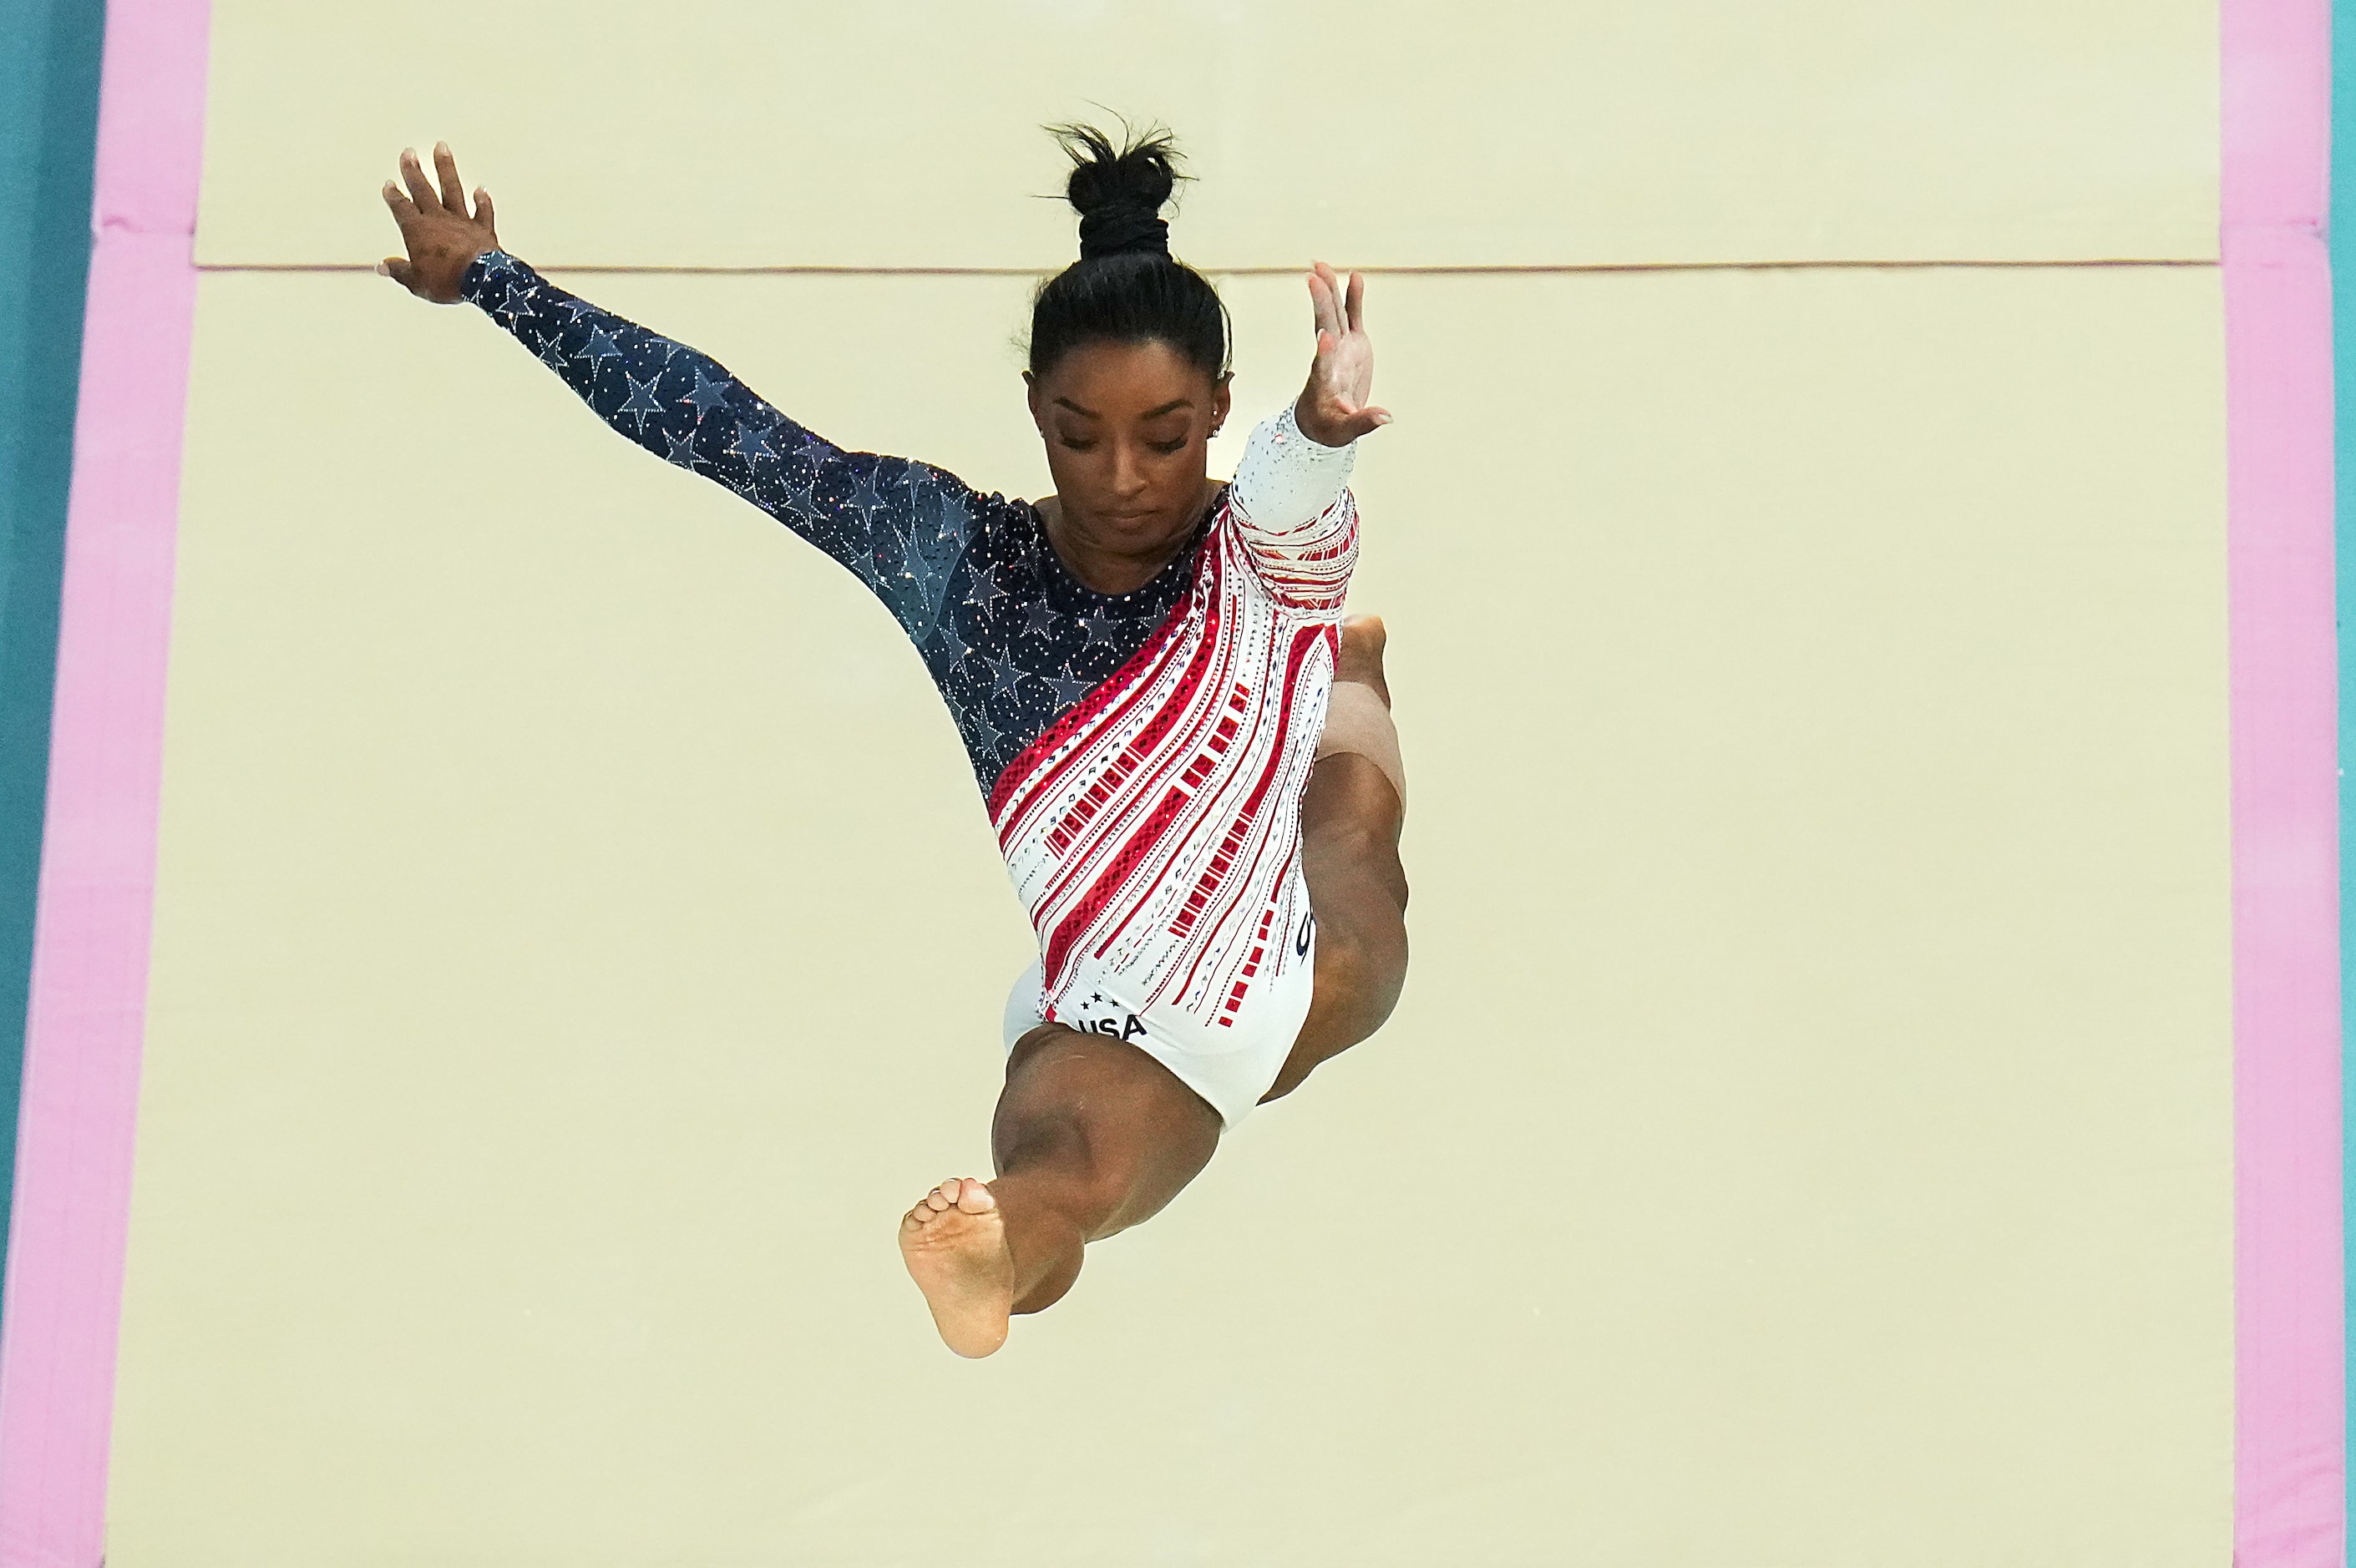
point(1186, 752)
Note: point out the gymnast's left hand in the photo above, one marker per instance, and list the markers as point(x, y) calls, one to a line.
point(1332, 410)
point(441, 238)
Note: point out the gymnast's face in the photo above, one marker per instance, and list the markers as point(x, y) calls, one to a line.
point(1127, 428)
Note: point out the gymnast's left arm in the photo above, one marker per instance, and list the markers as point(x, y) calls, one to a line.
point(1291, 499)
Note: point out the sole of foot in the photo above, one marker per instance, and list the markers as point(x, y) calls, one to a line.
point(1362, 654)
point(954, 1243)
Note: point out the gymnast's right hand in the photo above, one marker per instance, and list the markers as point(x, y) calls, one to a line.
point(443, 240)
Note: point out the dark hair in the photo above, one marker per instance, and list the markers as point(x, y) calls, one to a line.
point(1125, 286)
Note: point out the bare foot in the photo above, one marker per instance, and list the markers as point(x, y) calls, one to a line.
point(1362, 654)
point(953, 1244)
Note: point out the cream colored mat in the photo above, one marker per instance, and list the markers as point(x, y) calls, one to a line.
point(1805, 1141)
point(707, 133)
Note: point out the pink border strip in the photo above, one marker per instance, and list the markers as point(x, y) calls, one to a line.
point(2290, 1501)
point(98, 859)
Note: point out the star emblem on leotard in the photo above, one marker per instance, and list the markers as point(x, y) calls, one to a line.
point(1068, 689)
point(1004, 673)
point(987, 581)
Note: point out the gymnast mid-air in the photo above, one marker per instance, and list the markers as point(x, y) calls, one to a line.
point(1187, 754)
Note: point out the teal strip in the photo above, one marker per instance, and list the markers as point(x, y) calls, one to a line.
point(49, 135)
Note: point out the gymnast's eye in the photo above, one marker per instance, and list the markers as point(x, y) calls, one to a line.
point(1073, 444)
point(1169, 447)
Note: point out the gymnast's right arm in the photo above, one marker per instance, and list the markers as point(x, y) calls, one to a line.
point(679, 404)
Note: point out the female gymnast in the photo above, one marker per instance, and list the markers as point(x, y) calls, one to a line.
point(1187, 754)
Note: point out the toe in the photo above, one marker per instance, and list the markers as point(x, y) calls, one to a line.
point(977, 1199)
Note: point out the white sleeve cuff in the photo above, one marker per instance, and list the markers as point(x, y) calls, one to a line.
point(1284, 479)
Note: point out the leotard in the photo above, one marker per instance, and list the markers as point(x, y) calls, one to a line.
point(1142, 754)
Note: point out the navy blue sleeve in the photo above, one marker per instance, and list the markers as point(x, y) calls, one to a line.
point(900, 525)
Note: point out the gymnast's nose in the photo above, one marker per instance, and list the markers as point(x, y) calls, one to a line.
point(1129, 482)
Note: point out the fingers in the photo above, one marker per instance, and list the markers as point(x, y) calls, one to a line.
point(1339, 311)
point(1359, 423)
point(413, 175)
point(404, 211)
point(446, 165)
point(483, 209)
point(398, 269)
point(1325, 301)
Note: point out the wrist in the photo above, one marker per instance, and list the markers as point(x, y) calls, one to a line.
point(487, 273)
point(1316, 430)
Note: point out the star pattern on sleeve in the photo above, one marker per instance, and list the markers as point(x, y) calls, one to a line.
point(515, 305)
point(707, 395)
point(864, 496)
point(598, 347)
point(1011, 640)
point(641, 400)
point(751, 445)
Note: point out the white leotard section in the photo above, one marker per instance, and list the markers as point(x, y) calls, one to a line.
point(1154, 834)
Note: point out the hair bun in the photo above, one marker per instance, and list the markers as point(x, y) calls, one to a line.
point(1109, 230)
point(1120, 192)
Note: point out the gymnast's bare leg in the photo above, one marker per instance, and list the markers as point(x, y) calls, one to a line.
point(1351, 817)
point(1092, 1136)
